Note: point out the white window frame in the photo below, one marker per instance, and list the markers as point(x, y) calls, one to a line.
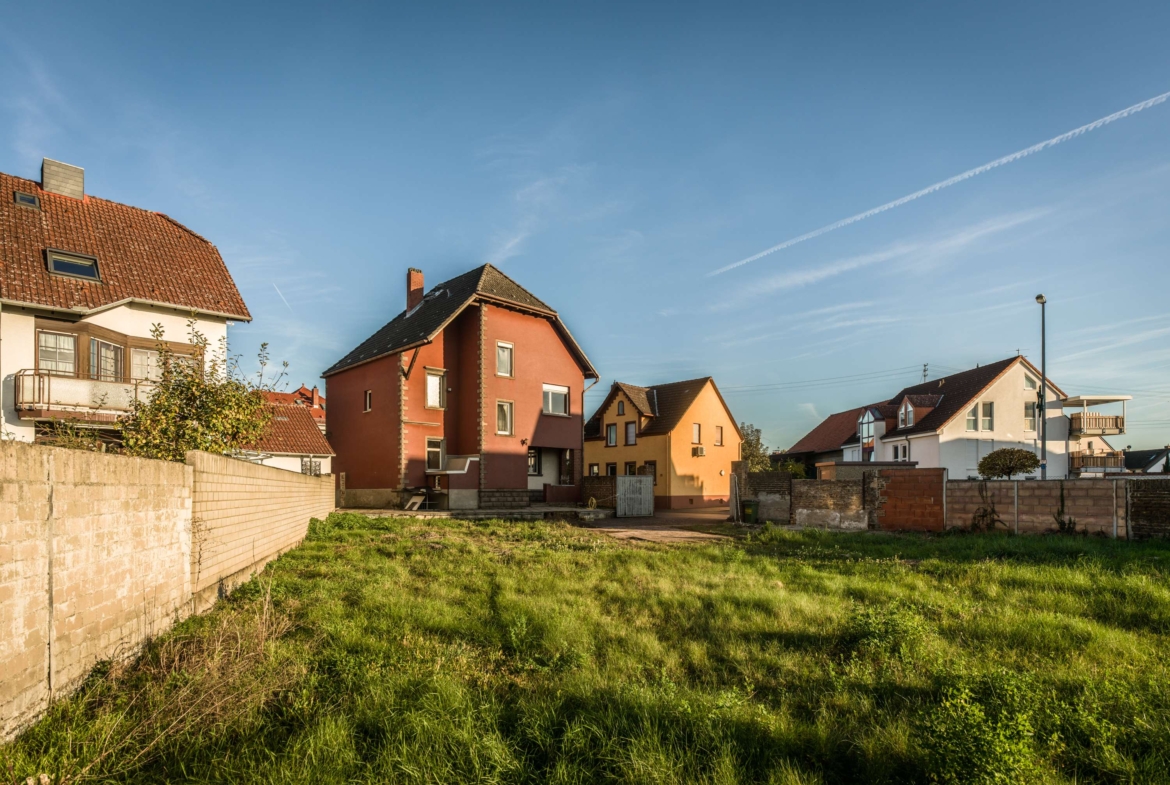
point(553, 389)
point(441, 375)
point(987, 415)
point(1034, 384)
point(696, 433)
point(151, 375)
point(973, 418)
point(369, 401)
point(442, 448)
point(611, 431)
point(511, 347)
point(57, 348)
point(1030, 419)
point(718, 435)
point(510, 408)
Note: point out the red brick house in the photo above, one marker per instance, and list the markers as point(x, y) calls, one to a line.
point(474, 392)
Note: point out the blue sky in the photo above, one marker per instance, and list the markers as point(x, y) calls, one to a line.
point(611, 157)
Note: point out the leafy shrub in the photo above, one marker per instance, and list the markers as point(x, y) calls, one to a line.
point(981, 733)
point(895, 629)
point(1008, 461)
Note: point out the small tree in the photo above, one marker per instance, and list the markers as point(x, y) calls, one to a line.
point(753, 450)
point(201, 402)
point(794, 468)
point(1008, 461)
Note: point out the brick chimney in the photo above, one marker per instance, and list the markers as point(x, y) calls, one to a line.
point(316, 398)
point(64, 179)
point(414, 287)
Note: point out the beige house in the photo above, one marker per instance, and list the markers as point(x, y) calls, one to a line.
point(680, 433)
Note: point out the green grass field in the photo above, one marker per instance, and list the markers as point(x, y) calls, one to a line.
point(446, 651)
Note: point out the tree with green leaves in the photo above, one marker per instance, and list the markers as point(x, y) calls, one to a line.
point(199, 402)
point(753, 450)
point(1008, 461)
point(794, 468)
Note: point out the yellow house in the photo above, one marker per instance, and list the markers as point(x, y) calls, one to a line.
point(682, 433)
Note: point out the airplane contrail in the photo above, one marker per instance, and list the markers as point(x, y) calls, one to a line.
point(286, 305)
point(1007, 159)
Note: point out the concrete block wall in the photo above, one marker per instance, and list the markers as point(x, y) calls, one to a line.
point(95, 555)
point(503, 498)
point(1029, 507)
point(243, 516)
point(829, 504)
point(98, 553)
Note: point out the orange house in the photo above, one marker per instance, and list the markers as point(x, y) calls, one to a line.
point(682, 433)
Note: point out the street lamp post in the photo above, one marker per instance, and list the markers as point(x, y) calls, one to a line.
point(1043, 394)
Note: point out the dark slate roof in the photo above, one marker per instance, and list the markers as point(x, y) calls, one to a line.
point(924, 401)
point(1143, 460)
point(957, 391)
point(831, 434)
point(665, 404)
point(441, 304)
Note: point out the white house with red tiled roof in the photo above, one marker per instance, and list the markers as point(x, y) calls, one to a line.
point(954, 421)
point(82, 282)
point(293, 442)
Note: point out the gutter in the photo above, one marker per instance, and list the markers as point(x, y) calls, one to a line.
point(83, 312)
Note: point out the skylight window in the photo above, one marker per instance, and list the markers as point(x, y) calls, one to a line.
point(27, 200)
point(73, 265)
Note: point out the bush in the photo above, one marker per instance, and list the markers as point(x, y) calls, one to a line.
point(892, 630)
point(1008, 461)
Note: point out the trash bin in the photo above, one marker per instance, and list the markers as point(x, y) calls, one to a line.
point(751, 510)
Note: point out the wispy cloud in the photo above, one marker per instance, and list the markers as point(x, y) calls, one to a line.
point(1129, 340)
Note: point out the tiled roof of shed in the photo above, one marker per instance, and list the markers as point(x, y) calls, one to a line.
point(142, 255)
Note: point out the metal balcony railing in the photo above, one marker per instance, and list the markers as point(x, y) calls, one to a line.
point(44, 392)
point(1081, 461)
point(1095, 424)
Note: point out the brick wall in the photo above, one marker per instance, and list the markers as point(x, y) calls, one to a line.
point(603, 489)
point(1030, 507)
point(100, 552)
point(243, 516)
point(503, 498)
point(94, 559)
point(829, 504)
point(906, 499)
point(1149, 508)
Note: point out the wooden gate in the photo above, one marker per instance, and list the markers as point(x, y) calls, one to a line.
point(635, 496)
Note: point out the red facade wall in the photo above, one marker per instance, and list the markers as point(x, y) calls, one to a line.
point(366, 443)
point(540, 357)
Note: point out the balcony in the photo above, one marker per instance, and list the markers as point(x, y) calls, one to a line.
point(1096, 462)
point(45, 396)
point(1087, 423)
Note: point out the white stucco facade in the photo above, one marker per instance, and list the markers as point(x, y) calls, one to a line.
point(292, 463)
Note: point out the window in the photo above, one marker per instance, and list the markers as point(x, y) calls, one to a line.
point(902, 417)
point(611, 470)
point(504, 352)
point(988, 416)
point(621, 407)
point(310, 467)
point(611, 435)
point(865, 433)
point(1029, 382)
point(556, 399)
point(73, 265)
point(534, 469)
point(504, 423)
point(1029, 415)
point(436, 390)
point(369, 400)
point(144, 365)
point(105, 361)
point(718, 435)
point(434, 454)
point(27, 200)
point(652, 470)
point(631, 468)
point(594, 470)
point(57, 353)
point(696, 433)
point(973, 418)
point(631, 433)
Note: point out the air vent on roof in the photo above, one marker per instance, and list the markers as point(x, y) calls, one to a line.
point(73, 265)
point(27, 200)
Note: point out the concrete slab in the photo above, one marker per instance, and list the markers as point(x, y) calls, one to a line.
point(537, 512)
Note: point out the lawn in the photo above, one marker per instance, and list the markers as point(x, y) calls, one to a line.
point(395, 650)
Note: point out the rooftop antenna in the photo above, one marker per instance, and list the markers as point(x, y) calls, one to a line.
point(925, 366)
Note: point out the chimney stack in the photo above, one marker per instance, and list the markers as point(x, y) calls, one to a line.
point(64, 179)
point(316, 398)
point(414, 287)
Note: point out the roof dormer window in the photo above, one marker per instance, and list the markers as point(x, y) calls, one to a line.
point(906, 415)
point(73, 265)
point(27, 200)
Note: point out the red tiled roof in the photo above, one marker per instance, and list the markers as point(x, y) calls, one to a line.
point(302, 396)
point(292, 431)
point(142, 255)
point(830, 434)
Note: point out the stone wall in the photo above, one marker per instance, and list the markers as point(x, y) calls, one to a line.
point(829, 504)
point(98, 553)
point(503, 498)
point(1032, 507)
point(94, 560)
point(244, 516)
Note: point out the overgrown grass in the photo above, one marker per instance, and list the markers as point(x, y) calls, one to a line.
point(396, 650)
